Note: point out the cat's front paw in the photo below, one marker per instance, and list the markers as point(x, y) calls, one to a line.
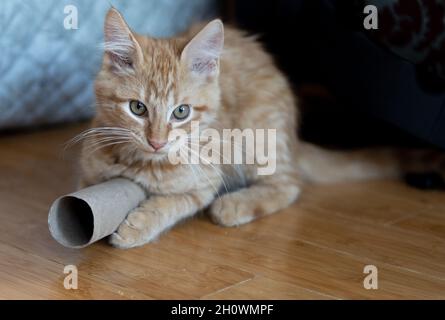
point(135, 231)
point(230, 210)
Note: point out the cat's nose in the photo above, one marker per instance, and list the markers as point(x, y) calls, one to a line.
point(157, 144)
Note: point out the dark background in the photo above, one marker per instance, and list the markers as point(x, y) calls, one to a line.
point(353, 90)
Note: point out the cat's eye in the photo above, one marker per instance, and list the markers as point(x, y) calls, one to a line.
point(181, 112)
point(138, 108)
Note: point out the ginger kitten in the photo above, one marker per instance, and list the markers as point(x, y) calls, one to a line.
point(148, 87)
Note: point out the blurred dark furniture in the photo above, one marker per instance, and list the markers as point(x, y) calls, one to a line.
point(357, 86)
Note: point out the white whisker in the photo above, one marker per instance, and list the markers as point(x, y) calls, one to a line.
point(235, 167)
point(212, 166)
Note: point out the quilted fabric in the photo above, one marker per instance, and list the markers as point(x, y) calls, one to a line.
point(46, 71)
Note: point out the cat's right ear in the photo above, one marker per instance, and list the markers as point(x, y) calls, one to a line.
point(120, 44)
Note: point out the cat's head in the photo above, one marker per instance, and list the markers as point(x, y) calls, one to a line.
point(153, 86)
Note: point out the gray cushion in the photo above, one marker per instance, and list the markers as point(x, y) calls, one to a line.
point(46, 71)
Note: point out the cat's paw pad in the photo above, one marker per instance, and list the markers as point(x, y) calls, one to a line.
point(133, 232)
point(229, 211)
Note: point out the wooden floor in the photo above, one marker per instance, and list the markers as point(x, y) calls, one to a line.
point(316, 249)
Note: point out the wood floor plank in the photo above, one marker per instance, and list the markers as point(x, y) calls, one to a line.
point(27, 276)
point(417, 252)
point(377, 199)
point(305, 264)
point(263, 288)
point(429, 224)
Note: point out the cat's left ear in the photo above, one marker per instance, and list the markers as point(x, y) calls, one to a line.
point(201, 55)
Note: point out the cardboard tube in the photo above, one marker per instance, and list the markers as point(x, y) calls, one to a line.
point(88, 215)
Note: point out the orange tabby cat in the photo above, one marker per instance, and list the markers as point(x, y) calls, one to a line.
point(148, 87)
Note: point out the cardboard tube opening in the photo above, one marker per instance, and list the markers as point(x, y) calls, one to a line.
point(83, 217)
point(75, 221)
